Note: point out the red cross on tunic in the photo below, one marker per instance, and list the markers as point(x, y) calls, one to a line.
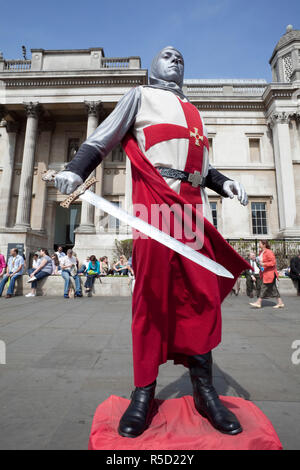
point(197, 141)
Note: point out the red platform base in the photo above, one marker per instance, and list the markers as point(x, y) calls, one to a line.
point(178, 426)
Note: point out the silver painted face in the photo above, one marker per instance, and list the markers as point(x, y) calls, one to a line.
point(169, 66)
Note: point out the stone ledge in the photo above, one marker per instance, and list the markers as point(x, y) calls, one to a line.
point(117, 286)
point(286, 287)
point(54, 286)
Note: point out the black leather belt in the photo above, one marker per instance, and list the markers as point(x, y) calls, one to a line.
point(196, 179)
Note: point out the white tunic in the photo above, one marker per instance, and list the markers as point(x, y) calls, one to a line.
point(163, 107)
point(141, 107)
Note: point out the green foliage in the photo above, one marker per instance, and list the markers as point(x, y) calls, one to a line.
point(123, 247)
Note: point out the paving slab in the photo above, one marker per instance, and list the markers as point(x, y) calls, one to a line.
point(65, 357)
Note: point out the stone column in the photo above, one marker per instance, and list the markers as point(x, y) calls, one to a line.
point(279, 122)
point(87, 221)
point(296, 137)
point(46, 129)
point(25, 191)
point(7, 175)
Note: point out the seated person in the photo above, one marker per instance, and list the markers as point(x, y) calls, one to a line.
point(68, 265)
point(14, 270)
point(55, 265)
point(84, 266)
point(121, 267)
point(35, 261)
point(104, 266)
point(2, 265)
point(44, 269)
point(60, 253)
point(92, 271)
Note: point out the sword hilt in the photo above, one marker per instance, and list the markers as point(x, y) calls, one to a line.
point(49, 175)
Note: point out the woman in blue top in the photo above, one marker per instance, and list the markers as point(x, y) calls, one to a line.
point(92, 271)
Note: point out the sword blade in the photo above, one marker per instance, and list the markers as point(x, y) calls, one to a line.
point(155, 233)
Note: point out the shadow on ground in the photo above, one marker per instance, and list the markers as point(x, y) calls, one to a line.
point(224, 383)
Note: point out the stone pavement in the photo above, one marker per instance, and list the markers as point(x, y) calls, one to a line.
point(64, 357)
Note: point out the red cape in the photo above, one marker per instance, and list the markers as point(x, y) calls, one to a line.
point(176, 304)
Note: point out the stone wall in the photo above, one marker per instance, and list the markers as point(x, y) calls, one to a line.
point(117, 286)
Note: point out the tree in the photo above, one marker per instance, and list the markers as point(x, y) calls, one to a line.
point(123, 247)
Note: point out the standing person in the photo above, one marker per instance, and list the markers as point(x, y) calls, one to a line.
point(176, 304)
point(92, 271)
point(2, 265)
point(268, 275)
point(43, 269)
point(253, 281)
point(14, 270)
point(68, 265)
point(295, 272)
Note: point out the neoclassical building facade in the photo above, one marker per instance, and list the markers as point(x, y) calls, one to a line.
point(50, 103)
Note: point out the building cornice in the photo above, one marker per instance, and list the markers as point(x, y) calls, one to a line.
point(75, 82)
point(278, 91)
point(229, 105)
point(128, 77)
point(252, 167)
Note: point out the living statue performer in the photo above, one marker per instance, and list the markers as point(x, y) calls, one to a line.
point(176, 304)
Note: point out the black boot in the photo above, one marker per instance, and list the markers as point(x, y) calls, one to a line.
point(206, 399)
point(136, 418)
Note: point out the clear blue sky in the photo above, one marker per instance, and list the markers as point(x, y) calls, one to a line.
point(218, 38)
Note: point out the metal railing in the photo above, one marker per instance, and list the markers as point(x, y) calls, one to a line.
point(284, 249)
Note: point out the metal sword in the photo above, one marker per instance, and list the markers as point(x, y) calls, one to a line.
point(84, 194)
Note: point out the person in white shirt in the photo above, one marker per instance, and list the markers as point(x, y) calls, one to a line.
point(253, 281)
point(15, 269)
point(35, 261)
point(60, 253)
point(68, 265)
point(43, 269)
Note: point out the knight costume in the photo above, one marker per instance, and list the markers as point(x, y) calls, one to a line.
point(176, 304)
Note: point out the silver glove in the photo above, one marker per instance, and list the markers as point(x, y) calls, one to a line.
point(67, 181)
point(233, 188)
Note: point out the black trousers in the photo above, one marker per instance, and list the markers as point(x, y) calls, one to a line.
point(253, 285)
point(296, 283)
